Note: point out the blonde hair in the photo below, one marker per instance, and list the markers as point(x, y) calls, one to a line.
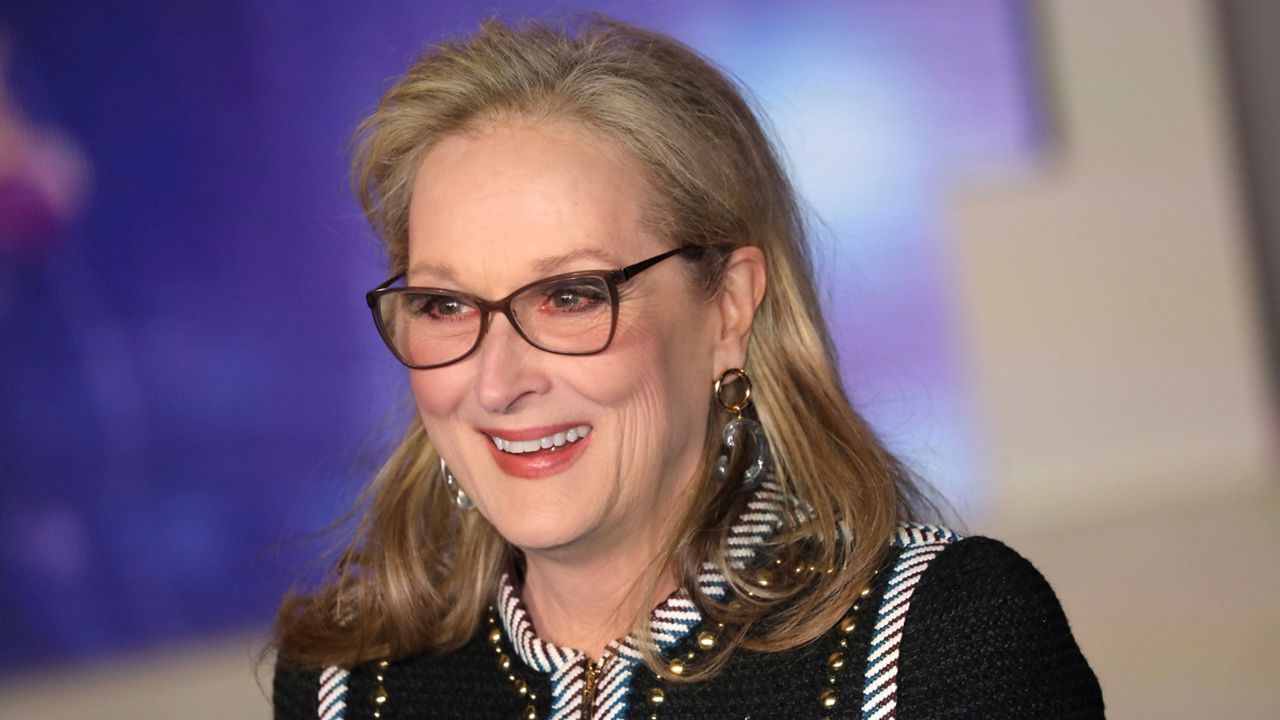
point(419, 573)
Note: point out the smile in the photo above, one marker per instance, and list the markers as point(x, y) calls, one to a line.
point(554, 440)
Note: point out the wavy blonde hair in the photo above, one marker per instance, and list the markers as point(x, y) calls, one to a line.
point(419, 574)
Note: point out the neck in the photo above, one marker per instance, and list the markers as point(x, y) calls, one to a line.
point(586, 603)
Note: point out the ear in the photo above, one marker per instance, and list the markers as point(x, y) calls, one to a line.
point(740, 294)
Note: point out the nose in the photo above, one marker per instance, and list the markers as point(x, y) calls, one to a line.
point(509, 371)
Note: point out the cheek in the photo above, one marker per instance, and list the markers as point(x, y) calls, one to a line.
point(659, 374)
point(437, 395)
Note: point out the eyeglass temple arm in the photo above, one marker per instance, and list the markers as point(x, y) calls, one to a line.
point(630, 271)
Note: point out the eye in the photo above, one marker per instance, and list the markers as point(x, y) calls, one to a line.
point(575, 296)
point(438, 307)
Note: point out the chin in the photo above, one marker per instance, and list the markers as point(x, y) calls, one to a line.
point(536, 527)
point(537, 540)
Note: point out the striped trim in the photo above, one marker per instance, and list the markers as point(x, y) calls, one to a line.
point(760, 519)
point(920, 544)
point(333, 693)
point(670, 623)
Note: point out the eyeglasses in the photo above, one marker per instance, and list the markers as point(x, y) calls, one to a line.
point(571, 314)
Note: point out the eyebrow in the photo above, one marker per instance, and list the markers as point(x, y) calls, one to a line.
point(543, 266)
point(423, 267)
point(550, 264)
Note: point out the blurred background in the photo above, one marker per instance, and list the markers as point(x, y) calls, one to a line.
point(1049, 240)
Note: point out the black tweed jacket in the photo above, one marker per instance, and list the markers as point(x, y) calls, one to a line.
point(983, 636)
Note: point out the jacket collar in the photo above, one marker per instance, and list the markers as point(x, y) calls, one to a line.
point(673, 620)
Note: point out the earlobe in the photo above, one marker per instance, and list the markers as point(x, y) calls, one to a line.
point(741, 292)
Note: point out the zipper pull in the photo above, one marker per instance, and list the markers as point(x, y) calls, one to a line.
point(589, 690)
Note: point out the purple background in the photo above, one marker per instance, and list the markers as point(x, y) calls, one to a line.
point(190, 386)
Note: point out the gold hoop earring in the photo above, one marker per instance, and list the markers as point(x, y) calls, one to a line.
point(739, 427)
point(722, 385)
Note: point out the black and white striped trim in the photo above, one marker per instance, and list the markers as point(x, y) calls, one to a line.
point(333, 693)
point(762, 517)
point(920, 544)
point(670, 623)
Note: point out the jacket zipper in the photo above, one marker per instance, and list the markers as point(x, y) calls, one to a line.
point(589, 690)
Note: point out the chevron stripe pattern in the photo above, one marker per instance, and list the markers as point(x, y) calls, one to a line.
point(670, 623)
point(760, 519)
point(333, 693)
point(920, 544)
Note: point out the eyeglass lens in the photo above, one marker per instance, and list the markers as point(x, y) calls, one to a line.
point(564, 315)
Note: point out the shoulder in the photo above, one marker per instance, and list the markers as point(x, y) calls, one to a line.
point(979, 568)
point(984, 634)
point(295, 692)
point(990, 570)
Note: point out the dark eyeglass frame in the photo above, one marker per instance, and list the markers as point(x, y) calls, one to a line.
point(611, 278)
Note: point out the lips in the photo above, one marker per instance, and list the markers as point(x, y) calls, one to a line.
point(533, 453)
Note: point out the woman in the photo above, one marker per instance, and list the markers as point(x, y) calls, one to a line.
point(634, 486)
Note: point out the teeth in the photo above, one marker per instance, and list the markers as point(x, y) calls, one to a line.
point(556, 440)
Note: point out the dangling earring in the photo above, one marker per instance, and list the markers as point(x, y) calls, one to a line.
point(459, 495)
point(739, 426)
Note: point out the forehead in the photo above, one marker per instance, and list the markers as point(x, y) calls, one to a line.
point(498, 206)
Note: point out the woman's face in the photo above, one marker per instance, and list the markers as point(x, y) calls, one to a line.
point(515, 202)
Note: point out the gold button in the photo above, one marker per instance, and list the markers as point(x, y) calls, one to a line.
point(706, 640)
point(504, 662)
point(521, 687)
point(836, 660)
point(530, 713)
point(379, 695)
point(847, 624)
point(383, 664)
point(865, 592)
point(495, 636)
point(763, 578)
point(677, 666)
point(656, 696)
point(829, 699)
